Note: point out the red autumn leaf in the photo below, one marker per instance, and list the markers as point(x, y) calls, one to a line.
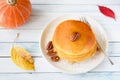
point(107, 11)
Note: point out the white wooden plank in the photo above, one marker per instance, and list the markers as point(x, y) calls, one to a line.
point(38, 9)
point(91, 10)
point(56, 76)
point(33, 48)
point(42, 14)
point(40, 21)
point(7, 66)
point(75, 2)
point(25, 35)
point(34, 35)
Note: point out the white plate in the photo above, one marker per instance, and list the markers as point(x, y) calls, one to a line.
point(65, 66)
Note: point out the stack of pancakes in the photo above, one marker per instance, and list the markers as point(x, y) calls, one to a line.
point(74, 51)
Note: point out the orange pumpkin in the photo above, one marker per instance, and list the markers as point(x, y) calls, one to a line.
point(14, 13)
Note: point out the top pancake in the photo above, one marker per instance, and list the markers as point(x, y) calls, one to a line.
point(63, 32)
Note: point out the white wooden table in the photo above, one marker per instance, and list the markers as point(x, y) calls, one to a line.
point(43, 12)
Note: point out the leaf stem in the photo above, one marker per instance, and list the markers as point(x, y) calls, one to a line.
point(17, 36)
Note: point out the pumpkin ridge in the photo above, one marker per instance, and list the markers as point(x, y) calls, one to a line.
point(20, 14)
point(7, 19)
point(2, 2)
point(25, 8)
point(3, 12)
point(3, 6)
point(24, 2)
point(14, 17)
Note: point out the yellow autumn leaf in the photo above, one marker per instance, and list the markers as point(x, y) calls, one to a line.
point(22, 58)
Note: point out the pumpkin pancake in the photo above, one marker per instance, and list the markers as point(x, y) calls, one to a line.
point(80, 49)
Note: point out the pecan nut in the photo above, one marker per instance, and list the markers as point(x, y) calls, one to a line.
point(74, 36)
point(49, 45)
point(51, 52)
point(55, 58)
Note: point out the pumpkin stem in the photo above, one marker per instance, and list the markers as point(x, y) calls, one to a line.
point(11, 2)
